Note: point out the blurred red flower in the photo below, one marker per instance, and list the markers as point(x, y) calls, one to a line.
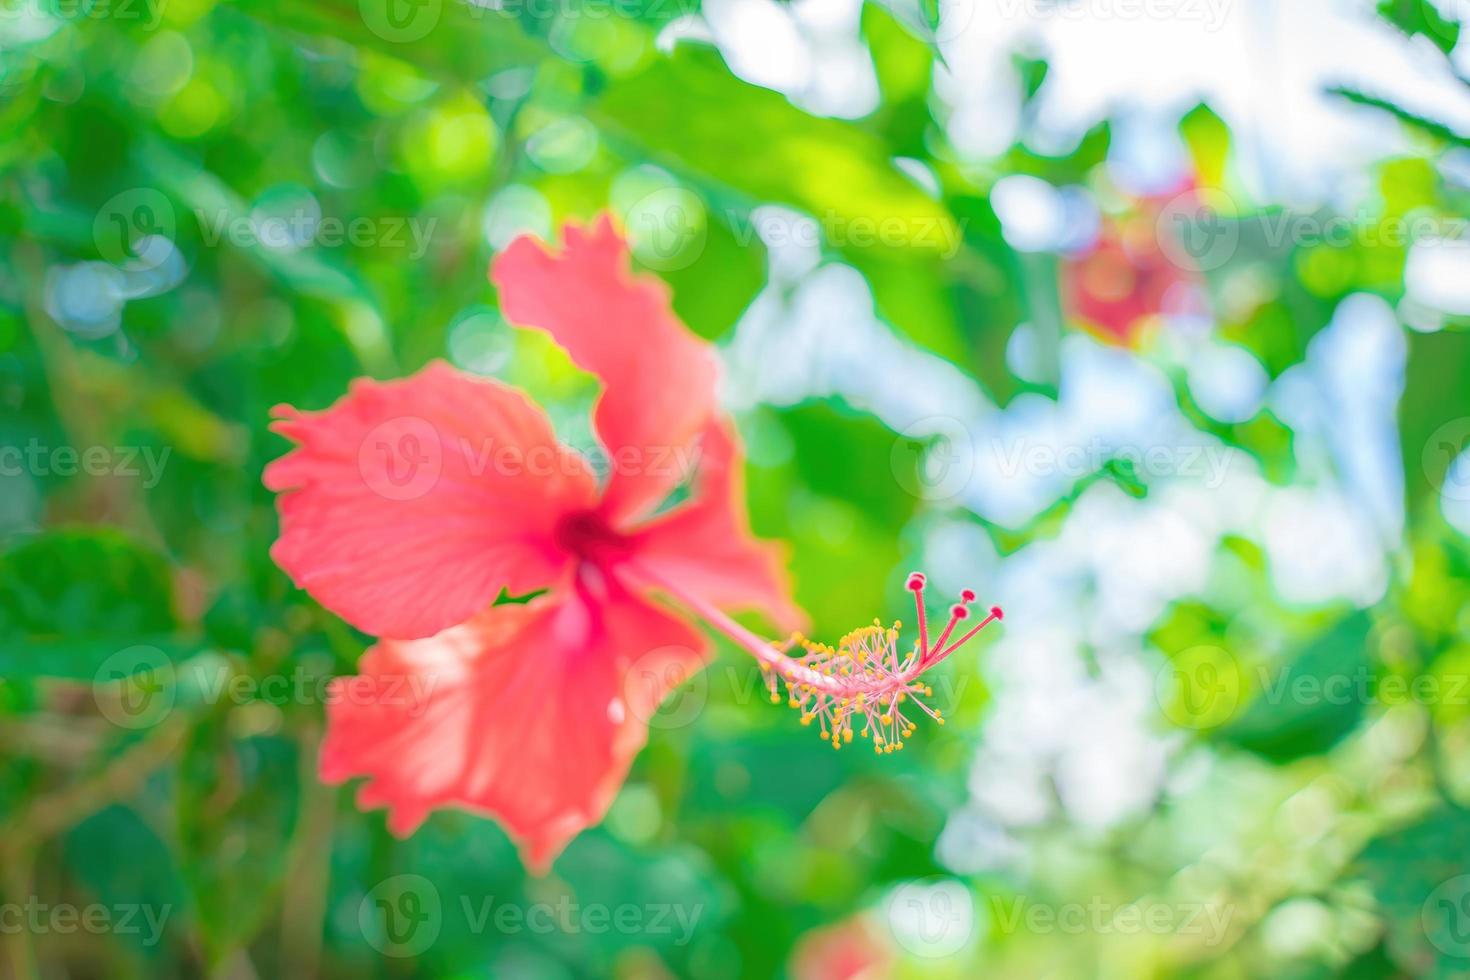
point(409, 505)
point(848, 950)
point(1126, 279)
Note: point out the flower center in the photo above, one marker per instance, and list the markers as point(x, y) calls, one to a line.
point(585, 534)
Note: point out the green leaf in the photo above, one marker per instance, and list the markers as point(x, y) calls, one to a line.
point(446, 38)
point(71, 599)
point(832, 170)
point(237, 806)
point(1421, 879)
point(146, 887)
point(1434, 413)
point(1309, 700)
point(1420, 17)
point(1424, 124)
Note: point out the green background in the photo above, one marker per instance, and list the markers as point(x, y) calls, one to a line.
point(1325, 829)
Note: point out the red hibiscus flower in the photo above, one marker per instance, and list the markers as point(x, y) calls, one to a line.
point(1127, 280)
point(409, 506)
point(848, 950)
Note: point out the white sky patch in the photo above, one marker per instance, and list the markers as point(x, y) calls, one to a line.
point(1438, 275)
point(810, 50)
point(1262, 64)
point(1319, 549)
point(824, 339)
point(1342, 403)
point(1227, 381)
point(1454, 494)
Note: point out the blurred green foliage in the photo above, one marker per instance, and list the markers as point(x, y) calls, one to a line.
point(145, 311)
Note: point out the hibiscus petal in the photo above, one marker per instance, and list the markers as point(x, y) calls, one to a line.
point(408, 505)
point(706, 546)
point(529, 713)
point(658, 378)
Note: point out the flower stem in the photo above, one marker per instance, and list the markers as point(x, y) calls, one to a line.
point(765, 651)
